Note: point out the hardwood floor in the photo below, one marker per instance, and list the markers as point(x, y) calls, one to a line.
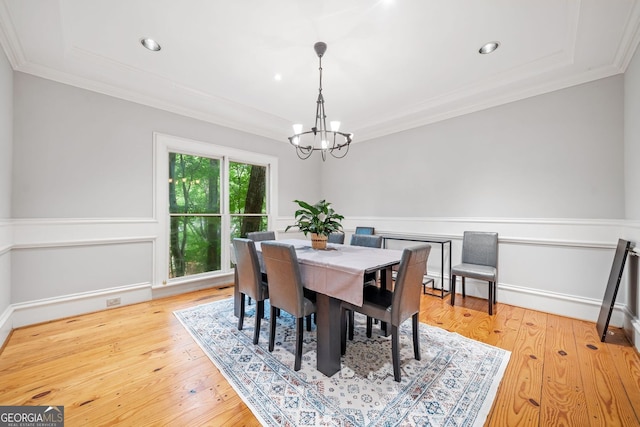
point(136, 365)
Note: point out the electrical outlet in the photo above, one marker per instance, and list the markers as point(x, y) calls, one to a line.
point(112, 302)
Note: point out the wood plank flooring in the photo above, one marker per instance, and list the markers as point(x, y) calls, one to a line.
point(137, 366)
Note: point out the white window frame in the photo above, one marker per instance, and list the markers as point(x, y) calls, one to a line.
point(163, 145)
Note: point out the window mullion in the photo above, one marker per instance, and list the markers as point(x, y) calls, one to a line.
point(226, 218)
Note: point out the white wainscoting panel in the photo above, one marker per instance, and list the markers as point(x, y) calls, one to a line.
point(558, 266)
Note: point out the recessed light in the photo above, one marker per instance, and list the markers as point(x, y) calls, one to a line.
point(150, 44)
point(489, 47)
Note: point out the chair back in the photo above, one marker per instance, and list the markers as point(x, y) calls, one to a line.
point(480, 248)
point(285, 282)
point(366, 240)
point(406, 291)
point(261, 236)
point(365, 230)
point(336, 238)
point(249, 277)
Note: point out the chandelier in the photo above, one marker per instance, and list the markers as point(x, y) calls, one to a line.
point(319, 138)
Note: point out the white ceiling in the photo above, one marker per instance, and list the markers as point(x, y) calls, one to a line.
point(390, 65)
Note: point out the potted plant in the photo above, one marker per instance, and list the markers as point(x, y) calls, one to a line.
point(319, 219)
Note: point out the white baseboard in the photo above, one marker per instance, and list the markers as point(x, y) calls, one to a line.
point(24, 314)
point(32, 312)
point(548, 302)
point(163, 291)
point(5, 325)
point(632, 329)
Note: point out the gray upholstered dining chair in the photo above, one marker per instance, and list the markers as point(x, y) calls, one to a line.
point(367, 240)
point(260, 236)
point(286, 291)
point(394, 307)
point(336, 237)
point(249, 281)
point(479, 261)
point(365, 230)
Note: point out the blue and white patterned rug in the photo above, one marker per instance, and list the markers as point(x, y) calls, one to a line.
point(453, 385)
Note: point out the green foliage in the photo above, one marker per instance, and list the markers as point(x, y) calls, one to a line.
point(319, 218)
point(239, 180)
point(195, 207)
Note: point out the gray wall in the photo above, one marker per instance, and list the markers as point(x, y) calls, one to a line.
point(76, 151)
point(632, 138)
point(558, 155)
point(632, 180)
point(6, 142)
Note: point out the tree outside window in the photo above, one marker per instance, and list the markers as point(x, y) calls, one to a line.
point(196, 213)
point(247, 198)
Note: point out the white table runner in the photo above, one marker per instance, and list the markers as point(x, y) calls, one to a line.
point(339, 270)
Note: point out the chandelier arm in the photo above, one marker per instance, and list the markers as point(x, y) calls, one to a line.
point(340, 149)
point(302, 154)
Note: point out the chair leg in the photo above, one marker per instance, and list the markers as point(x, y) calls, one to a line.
point(260, 309)
point(299, 333)
point(241, 316)
point(259, 315)
point(383, 328)
point(395, 352)
point(272, 328)
point(416, 337)
point(495, 288)
point(309, 322)
point(490, 299)
point(369, 326)
point(453, 289)
point(463, 288)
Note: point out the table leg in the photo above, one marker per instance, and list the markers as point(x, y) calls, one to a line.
point(328, 334)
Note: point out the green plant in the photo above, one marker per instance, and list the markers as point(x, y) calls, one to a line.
point(319, 218)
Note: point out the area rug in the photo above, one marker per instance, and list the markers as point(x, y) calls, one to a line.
point(453, 385)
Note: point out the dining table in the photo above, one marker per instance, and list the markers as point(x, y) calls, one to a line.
point(336, 274)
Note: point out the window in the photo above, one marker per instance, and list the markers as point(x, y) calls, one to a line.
point(214, 194)
point(195, 215)
point(247, 198)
